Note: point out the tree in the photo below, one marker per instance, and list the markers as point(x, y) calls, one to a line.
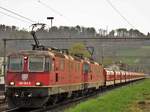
point(148, 34)
point(135, 33)
point(112, 33)
point(13, 28)
point(122, 32)
point(78, 28)
point(79, 49)
point(2, 27)
point(53, 29)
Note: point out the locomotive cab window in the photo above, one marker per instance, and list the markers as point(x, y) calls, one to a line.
point(15, 64)
point(86, 67)
point(36, 64)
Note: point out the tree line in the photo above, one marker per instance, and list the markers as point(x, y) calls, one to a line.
point(72, 32)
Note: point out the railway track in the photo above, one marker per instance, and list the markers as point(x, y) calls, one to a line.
point(3, 104)
point(61, 106)
point(57, 107)
point(2, 97)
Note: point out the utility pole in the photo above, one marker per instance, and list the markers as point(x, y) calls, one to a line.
point(4, 61)
point(51, 18)
point(102, 51)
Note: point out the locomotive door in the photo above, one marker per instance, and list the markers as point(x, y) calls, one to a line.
point(56, 71)
point(60, 71)
point(86, 73)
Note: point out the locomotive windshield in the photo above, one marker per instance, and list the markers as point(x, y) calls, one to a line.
point(15, 64)
point(36, 64)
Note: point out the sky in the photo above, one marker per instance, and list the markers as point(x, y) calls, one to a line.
point(88, 13)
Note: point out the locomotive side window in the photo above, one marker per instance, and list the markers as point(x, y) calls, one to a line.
point(71, 66)
point(67, 66)
point(62, 65)
point(97, 72)
point(36, 64)
point(78, 67)
point(48, 64)
point(15, 64)
point(75, 67)
point(86, 67)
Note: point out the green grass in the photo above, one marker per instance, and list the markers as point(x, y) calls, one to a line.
point(118, 100)
point(134, 51)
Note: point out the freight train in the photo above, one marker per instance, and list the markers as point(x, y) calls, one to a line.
point(35, 78)
point(44, 76)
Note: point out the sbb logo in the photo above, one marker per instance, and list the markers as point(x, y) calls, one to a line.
point(24, 77)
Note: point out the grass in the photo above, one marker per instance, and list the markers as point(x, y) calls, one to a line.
point(134, 51)
point(125, 99)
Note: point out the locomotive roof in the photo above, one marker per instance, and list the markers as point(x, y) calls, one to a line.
point(30, 52)
point(50, 53)
point(38, 53)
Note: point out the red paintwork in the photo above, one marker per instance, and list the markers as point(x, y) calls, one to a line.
point(32, 79)
point(123, 75)
point(127, 75)
point(95, 74)
point(71, 74)
point(118, 75)
point(110, 75)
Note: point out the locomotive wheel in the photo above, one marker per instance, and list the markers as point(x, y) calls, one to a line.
point(55, 99)
point(75, 95)
point(52, 100)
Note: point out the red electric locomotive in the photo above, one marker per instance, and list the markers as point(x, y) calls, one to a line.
point(43, 76)
point(35, 78)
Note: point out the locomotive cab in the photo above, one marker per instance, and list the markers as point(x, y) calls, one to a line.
point(28, 70)
point(27, 79)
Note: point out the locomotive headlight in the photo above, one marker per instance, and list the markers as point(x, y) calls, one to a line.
point(30, 95)
point(12, 83)
point(38, 84)
point(16, 95)
point(25, 57)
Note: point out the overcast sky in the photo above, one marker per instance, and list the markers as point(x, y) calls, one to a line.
point(88, 13)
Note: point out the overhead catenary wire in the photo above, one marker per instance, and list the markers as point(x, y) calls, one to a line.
point(14, 17)
point(49, 7)
point(10, 11)
point(53, 10)
point(117, 11)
